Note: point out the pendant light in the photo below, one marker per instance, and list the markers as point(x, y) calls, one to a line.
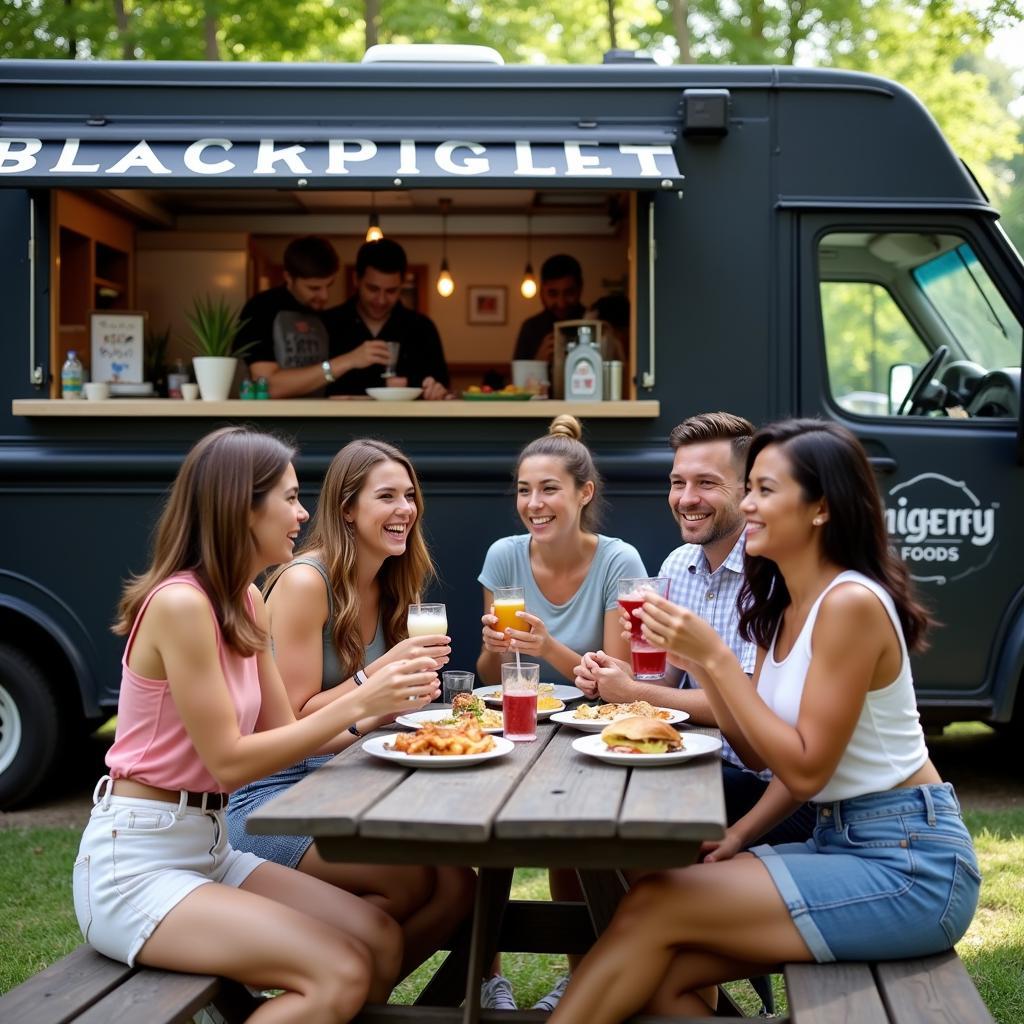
point(445, 284)
point(528, 286)
point(373, 230)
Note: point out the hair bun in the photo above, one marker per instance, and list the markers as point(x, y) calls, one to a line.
point(566, 425)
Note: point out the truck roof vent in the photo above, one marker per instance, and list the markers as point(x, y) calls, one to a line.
point(626, 57)
point(431, 53)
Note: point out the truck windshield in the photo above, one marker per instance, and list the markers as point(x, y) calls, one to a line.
point(962, 293)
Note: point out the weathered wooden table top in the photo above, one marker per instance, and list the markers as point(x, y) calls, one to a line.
point(544, 804)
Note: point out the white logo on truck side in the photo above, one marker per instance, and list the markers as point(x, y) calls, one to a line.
point(939, 528)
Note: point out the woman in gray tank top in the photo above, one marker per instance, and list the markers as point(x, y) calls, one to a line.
point(338, 615)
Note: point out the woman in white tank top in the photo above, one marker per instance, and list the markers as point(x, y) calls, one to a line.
point(890, 871)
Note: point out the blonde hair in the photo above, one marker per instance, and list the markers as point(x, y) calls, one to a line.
point(204, 529)
point(401, 579)
point(563, 441)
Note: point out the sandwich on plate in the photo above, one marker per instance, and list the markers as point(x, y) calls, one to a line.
point(641, 736)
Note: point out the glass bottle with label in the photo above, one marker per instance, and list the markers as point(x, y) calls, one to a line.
point(584, 374)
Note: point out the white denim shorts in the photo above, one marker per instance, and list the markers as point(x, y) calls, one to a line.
point(138, 859)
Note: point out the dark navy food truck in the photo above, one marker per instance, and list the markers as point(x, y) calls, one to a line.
point(790, 241)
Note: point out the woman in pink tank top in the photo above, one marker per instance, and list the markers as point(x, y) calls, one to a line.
point(202, 711)
point(889, 871)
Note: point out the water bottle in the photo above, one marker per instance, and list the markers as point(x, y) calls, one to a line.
point(71, 377)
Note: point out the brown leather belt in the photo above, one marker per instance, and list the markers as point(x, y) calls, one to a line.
point(129, 787)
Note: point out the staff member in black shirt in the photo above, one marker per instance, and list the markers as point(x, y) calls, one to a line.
point(292, 348)
point(376, 313)
point(561, 284)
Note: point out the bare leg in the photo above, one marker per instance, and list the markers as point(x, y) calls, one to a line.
point(429, 903)
point(564, 885)
point(218, 929)
point(731, 909)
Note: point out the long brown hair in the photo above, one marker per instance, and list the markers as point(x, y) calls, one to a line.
point(401, 579)
point(828, 462)
point(563, 441)
point(204, 529)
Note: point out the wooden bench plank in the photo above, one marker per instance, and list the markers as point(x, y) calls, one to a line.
point(392, 1014)
point(931, 990)
point(682, 801)
point(451, 805)
point(565, 795)
point(833, 994)
point(151, 995)
point(57, 994)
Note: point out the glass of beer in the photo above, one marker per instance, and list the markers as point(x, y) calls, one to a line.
point(648, 661)
point(508, 601)
point(428, 620)
point(519, 684)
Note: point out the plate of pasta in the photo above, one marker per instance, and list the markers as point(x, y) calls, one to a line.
point(439, 746)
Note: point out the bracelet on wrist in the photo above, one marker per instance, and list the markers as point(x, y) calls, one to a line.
point(354, 729)
point(359, 676)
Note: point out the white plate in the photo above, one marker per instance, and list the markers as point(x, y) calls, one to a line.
point(417, 718)
point(375, 745)
point(492, 694)
point(143, 390)
point(597, 724)
point(695, 744)
point(394, 394)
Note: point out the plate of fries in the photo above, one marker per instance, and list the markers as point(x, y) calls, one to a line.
point(440, 746)
point(594, 717)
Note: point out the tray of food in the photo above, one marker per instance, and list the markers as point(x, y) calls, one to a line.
point(510, 393)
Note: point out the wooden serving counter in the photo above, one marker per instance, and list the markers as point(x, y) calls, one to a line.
point(359, 408)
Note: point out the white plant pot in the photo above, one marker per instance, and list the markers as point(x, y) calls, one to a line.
point(214, 375)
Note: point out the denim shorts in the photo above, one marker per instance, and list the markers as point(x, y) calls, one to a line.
point(138, 859)
point(884, 876)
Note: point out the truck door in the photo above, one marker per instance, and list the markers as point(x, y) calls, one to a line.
point(910, 335)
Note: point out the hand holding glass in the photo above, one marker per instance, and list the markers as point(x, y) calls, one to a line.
point(519, 684)
point(391, 370)
point(648, 661)
point(507, 602)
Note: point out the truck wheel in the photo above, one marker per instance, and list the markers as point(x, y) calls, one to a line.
point(29, 727)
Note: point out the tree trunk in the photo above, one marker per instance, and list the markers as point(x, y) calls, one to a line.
point(121, 18)
point(681, 29)
point(372, 17)
point(210, 20)
point(613, 41)
point(72, 39)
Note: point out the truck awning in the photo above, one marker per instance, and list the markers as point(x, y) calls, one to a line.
point(356, 163)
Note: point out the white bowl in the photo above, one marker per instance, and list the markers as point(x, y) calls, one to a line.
point(96, 391)
point(394, 394)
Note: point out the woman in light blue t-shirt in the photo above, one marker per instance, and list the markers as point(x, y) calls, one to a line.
point(568, 571)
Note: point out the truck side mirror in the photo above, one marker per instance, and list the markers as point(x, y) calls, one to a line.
point(901, 376)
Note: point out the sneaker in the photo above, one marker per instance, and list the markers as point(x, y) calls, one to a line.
point(550, 1001)
point(496, 994)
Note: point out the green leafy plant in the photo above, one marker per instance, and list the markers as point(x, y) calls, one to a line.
point(215, 325)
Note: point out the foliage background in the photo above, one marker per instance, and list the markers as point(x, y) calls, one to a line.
point(939, 49)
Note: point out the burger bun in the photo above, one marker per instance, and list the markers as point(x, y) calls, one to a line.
point(642, 736)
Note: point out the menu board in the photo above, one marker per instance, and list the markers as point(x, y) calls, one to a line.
point(117, 346)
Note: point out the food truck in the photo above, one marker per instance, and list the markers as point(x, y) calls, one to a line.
point(791, 242)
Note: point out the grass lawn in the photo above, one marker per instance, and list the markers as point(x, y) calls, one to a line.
point(37, 923)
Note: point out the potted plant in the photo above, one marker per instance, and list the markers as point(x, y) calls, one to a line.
point(215, 325)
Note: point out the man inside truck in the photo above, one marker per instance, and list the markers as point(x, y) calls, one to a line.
point(291, 347)
point(375, 315)
point(707, 485)
point(561, 285)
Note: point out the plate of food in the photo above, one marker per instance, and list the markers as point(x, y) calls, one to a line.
point(394, 394)
point(511, 393)
point(464, 704)
point(440, 746)
point(594, 717)
point(551, 697)
point(644, 743)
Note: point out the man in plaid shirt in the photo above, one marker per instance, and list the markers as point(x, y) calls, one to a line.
point(707, 486)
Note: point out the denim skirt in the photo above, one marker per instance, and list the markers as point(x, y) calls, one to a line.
point(884, 876)
point(284, 850)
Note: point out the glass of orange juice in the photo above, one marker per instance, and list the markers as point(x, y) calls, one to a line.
point(508, 601)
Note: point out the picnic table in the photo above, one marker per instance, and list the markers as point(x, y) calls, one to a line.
point(542, 805)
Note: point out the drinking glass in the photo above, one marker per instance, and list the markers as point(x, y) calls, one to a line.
point(428, 620)
point(391, 370)
point(508, 601)
point(519, 684)
point(648, 661)
point(454, 682)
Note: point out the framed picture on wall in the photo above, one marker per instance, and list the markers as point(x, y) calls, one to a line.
point(488, 304)
point(116, 340)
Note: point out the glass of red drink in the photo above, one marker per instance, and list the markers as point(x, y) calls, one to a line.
point(519, 683)
point(648, 660)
